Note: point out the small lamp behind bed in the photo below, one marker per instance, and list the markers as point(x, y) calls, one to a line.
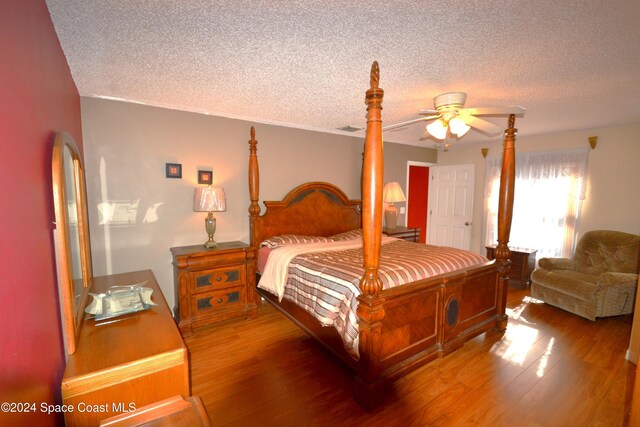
point(392, 193)
point(209, 199)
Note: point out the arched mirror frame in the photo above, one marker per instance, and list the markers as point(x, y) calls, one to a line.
point(72, 236)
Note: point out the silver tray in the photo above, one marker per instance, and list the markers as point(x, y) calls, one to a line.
point(120, 300)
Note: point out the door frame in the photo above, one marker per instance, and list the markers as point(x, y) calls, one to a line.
point(406, 185)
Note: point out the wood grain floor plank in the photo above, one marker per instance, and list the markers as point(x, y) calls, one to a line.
point(550, 368)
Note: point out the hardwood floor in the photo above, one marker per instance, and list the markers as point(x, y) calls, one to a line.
point(550, 368)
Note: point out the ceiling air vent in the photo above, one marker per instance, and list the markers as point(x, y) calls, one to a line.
point(350, 128)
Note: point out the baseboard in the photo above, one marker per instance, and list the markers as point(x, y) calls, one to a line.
point(631, 357)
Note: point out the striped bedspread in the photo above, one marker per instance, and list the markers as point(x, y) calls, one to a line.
point(324, 280)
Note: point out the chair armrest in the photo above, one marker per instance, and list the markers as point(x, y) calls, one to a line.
point(557, 264)
point(617, 279)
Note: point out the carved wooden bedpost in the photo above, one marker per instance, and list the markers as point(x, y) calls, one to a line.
point(505, 212)
point(254, 184)
point(372, 174)
point(253, 299)
point(370, 312)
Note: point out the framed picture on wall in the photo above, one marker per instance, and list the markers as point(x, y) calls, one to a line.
point(205, 177)
point(173, 170)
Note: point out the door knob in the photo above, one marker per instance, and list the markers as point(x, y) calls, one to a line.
point(467, 223)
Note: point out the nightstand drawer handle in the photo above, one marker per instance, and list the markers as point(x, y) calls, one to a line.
point(219, 300)
point(219, 277)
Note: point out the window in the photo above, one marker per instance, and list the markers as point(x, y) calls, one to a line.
point(549, 190)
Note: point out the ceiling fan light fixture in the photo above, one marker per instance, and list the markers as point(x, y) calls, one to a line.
point(458, 126)
point(450, 115)
point(437, 129)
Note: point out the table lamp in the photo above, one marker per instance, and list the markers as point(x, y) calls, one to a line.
point(209, 199)
point(392, 193)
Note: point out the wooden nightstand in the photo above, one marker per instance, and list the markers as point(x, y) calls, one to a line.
point(523, 261)
point(404, 233)
point(212, 285)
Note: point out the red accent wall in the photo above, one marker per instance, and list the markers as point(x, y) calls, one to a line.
point(37, 98)
point(418, 199)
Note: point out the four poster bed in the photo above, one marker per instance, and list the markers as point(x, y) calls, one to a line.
point(397, 328)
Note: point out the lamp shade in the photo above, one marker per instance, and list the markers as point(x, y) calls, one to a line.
point(392, 193)
point(209, 199)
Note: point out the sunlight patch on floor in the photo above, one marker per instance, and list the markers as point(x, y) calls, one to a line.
point(516, 343)
point(520, 338)
point(544, 360)
point(516, 312)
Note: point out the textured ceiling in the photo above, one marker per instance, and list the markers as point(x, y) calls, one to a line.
point(574, 64)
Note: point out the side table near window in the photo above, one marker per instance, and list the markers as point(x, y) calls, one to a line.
point(523, 261)
point(405, 233)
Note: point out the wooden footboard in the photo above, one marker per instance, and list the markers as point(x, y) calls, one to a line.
point(422, 321)
point(426, 320)
point(436, 316)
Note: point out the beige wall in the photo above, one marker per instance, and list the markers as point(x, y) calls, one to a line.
point(127, 146)
point(612, 200)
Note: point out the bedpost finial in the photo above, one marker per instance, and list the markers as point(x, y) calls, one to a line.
point(510, 131)
point(375, 75)
point(252, 142)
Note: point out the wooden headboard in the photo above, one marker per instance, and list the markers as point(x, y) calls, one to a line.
point(311, 209)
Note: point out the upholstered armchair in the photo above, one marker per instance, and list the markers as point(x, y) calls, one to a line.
point(600, 280)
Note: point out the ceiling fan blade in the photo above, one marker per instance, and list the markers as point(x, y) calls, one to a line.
point(423, 112)
point(426, 136)
point(397, 125)
point(493, 111)
point(482, 125)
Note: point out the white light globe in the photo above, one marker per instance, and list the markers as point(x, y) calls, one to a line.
point(438, 129)
point(458, 127)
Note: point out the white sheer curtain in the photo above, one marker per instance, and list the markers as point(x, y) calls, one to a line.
point(550, 188)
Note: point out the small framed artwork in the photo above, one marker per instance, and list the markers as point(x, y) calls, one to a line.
point(173, 170)
point(205, 177)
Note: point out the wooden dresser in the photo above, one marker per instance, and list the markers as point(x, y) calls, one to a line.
point(214, 284)
point(126, 362)
point(405, 233)
point(173, 412)
point(523, 261)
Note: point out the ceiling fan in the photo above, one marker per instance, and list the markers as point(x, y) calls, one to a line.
point(452, 118)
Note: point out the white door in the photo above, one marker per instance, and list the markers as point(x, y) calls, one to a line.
point(451, 206)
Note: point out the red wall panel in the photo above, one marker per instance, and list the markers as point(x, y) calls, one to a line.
point(37, 98)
